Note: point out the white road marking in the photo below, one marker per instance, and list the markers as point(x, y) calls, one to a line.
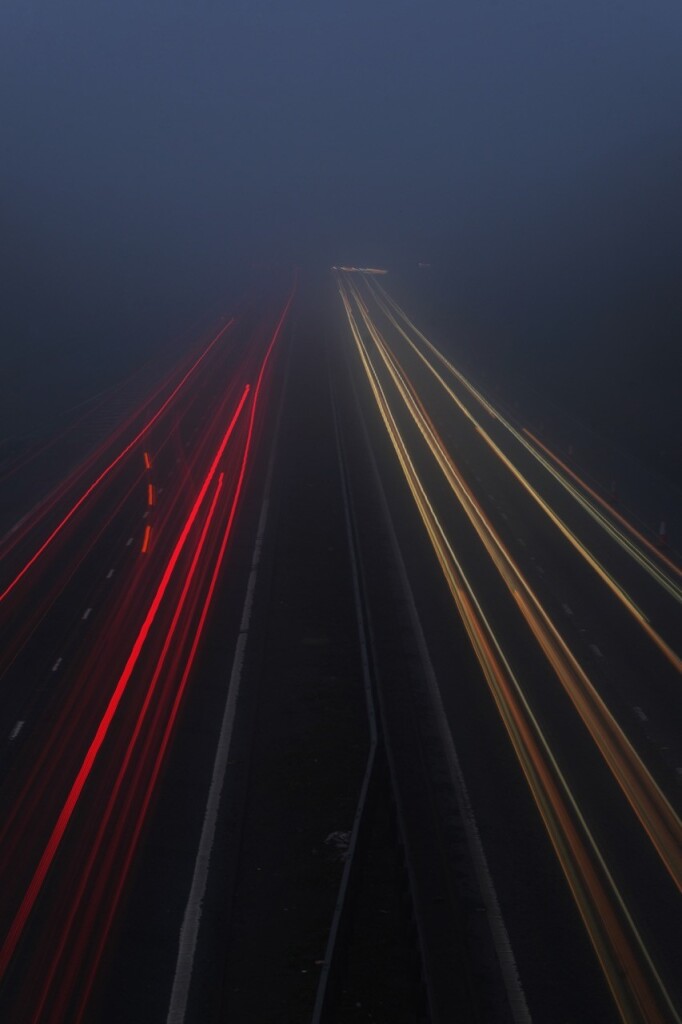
point(129, 542)
point(189, 933)
point(640, 714)
point(110, 574)
point(567, 608)
point(16, 730)
point(87, 613)
point(505, 953)
point(521, 542)
point(504, 516)
point(56, 664)
point(145, 514)
point(595, 650)
point(540, 570)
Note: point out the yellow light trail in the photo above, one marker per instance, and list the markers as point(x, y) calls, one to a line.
point(653, 810)
point(632, 977)
point(383, 299)
point(607, 505)
point(584, 552)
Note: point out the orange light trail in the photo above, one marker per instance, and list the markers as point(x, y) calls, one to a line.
point(605, 504)
point(636, 987)
point(145, 540)
point(383, 300)
point(564, 529)
point(654, 811)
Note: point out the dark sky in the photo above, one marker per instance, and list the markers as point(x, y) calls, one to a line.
point(151, 148)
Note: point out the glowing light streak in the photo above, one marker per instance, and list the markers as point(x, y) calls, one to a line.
point(613, 585)
point(611, 510)
point(68, 808)
point(636, 987)
point(623, 541)
point(654, 812)
point(94, 854)
point(361, 270)
point(145, 540)
point(192, 654)
point(105, 473)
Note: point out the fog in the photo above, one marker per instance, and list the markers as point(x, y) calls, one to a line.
point(530, 152)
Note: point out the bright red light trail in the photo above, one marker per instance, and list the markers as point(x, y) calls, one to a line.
point(77, 788)
point(87, 808)
point(108, 469)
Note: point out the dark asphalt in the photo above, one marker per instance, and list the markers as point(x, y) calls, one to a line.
point(419, 927)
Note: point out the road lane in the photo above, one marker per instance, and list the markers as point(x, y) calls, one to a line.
point(374, 347)
point(100, 754)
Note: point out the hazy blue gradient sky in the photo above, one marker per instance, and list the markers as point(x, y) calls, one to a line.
point(308, 126)
point(149, 149)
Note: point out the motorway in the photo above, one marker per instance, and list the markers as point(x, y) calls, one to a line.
point(574, 619)
point(311, 584)
point(107, 584)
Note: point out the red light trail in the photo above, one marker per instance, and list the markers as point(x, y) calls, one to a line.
point(76, 789)
point(96, 847)
point(89, 771)
point(105, 472)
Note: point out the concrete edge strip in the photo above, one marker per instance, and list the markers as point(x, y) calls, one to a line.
point(189, 932)
point(502, 943)
point(322, 986)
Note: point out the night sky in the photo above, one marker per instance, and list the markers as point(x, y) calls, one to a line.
point(531, 151)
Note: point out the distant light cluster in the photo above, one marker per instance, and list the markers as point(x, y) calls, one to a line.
point(361, 270)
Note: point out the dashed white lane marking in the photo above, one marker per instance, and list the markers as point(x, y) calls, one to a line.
point(110, 574)
point(129, 542)
point(16, 730)
point(567, 608)
point(540, 570)
point(56, 664)
point(595, 650)
point(145, 514)
point(521, 541)
point(640, 714)
point(503, 515)
point(87, 613)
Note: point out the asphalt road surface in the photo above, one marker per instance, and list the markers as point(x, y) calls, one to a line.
point(323, 678)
